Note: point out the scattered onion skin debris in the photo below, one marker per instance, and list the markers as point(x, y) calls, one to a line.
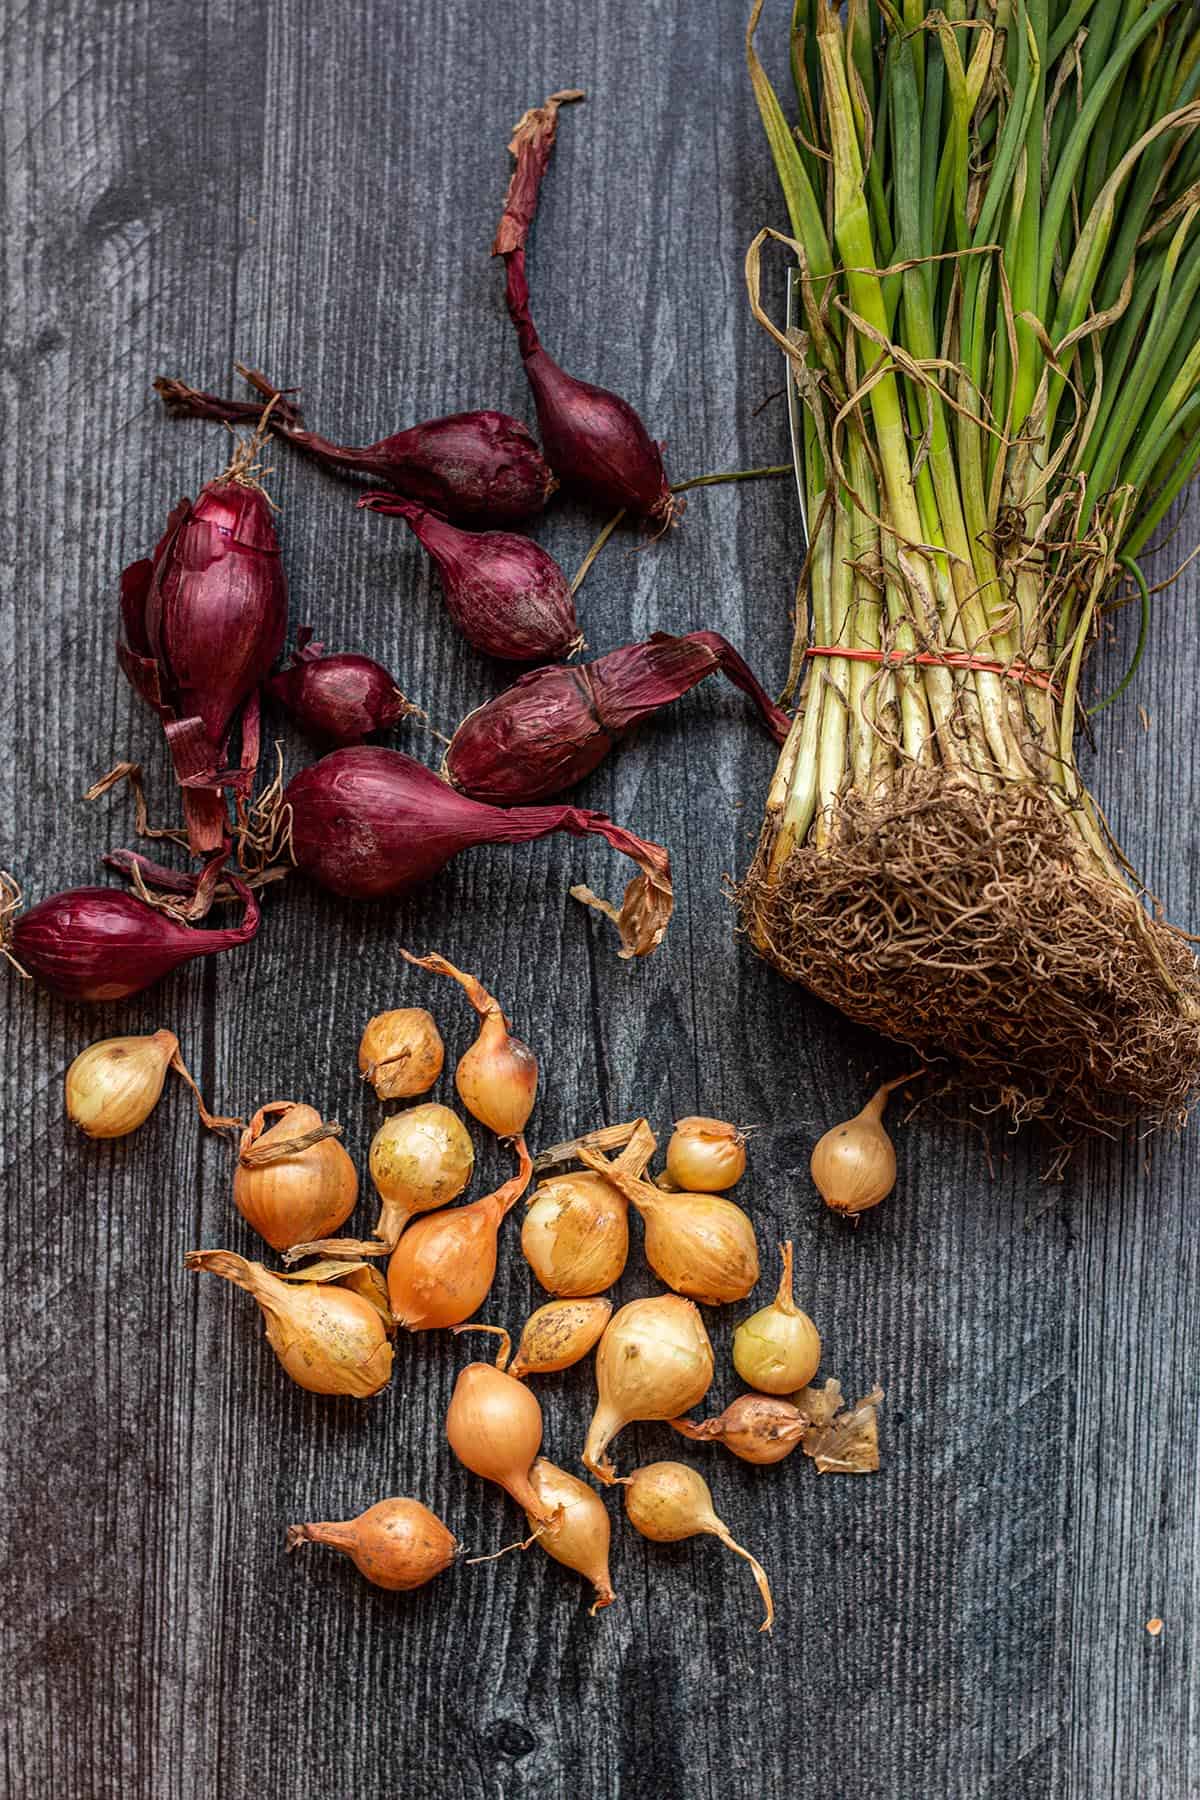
point(1154, 1627)
point(840, 1440)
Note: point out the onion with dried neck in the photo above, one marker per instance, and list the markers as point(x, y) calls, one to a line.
point(293, 1179)
point(702, 1245)
point(581, 1533)
point(494, 1426)
point(756, 1427)
point(443, 1267)
point(854, 1164)
point(653, 1362)
point(401, 1053)
point(497, 1077)
point(113, 1086)
point(575, 1236)
point(778, 1348)
point(397, 1544)
point(667, 1502)
point(330, 1338)
point(705, 1156)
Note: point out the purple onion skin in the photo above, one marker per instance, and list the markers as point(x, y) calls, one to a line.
point(540, 736)
point(97, 943)
point(507, 595)
point(213, 605)
point(594, 441)
point(341, 699)
point(479, 468)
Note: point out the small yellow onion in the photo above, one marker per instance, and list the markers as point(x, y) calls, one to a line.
point(494, 1426)
point(112, 1087)
point(397, 1544)
point(293, 1179)
point(705, 1156)
point(778, 1348)
point(667, 1502)
point(401, 1053)
point(756, 1427)
point(575, 1236)
point(702, 1245)
point(560, 1334)
point(854, 1164)
point(653, 1362)
point(581, 1533)
point(443, 1267)
point(330, 1339)
point(497, 1077)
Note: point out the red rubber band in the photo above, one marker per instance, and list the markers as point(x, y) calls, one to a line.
point(949, 659)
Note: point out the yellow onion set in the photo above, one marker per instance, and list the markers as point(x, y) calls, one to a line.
point(331, 1313)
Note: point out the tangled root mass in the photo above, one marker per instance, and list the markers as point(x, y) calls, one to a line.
point(974, 925)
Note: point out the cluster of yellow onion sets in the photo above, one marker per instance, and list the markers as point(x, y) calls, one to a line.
point(331, 1322)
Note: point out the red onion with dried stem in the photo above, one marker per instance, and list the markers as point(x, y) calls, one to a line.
point(481, 468)
point(553, 726)
point(369, 822)
point(594, 440)
point(203, 620)
point(339, 699)
point(96, 943)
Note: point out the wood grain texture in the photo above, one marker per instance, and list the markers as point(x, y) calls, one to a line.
point(314, 187)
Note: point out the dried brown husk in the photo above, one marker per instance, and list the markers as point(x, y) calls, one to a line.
point(976, 925)
point(841, 1440)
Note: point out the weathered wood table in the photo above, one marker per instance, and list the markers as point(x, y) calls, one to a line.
point(313, 187)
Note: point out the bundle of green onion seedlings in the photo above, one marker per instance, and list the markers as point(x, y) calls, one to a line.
point(995, 226)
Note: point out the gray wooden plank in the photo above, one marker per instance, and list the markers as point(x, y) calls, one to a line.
point(271, 181)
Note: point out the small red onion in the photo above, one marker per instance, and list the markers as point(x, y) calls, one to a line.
point(555, 725)
point(338, 699)
point(97, 943)
point(369, 822)
point(505, 593)
point(204, 618)
point(594, 441)
point(483, 468)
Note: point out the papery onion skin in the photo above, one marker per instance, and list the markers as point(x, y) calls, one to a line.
point(560, 1334)
point(575, 1235)
point(401, 1053)
point(442, 1270)
point(396, 1544)
point(304, 1194)
point(494, 1426)
point(480, 468)
point(581, 1533)
point(506, 595)
point(339, 699)
point(96, 943)
point(653, 1353)
point(329, 1340)
point(369, 822)
point(757, 1428)
point(706, 1156)
point(112, 1087)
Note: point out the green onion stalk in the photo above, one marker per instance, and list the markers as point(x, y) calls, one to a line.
point(995, 239)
